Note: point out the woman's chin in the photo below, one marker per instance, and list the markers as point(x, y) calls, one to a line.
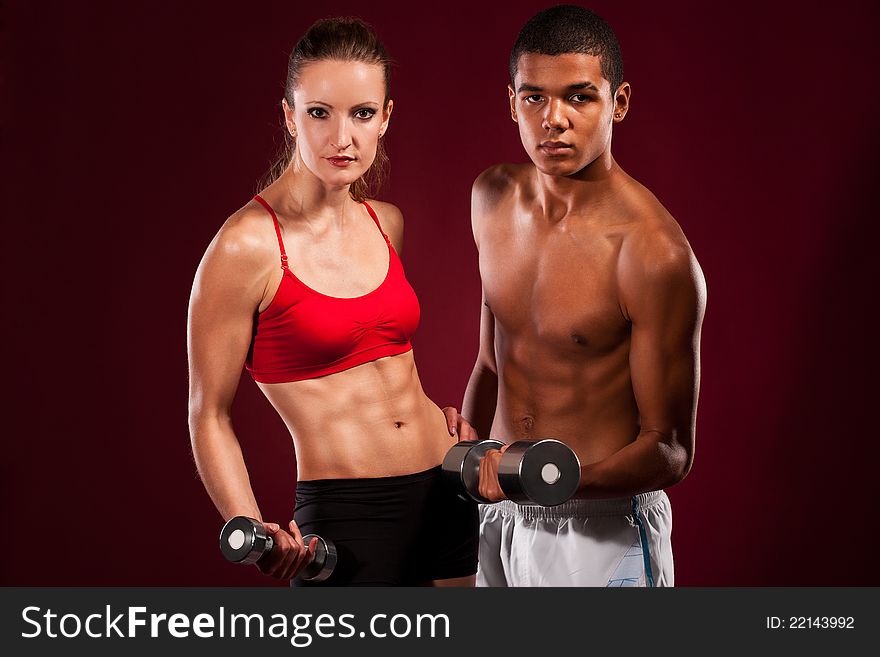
point(341, 178)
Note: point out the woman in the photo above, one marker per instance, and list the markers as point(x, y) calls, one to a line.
point(303, 286)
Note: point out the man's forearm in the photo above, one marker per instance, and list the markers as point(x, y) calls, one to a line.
point(652, 462)
point(480, 399)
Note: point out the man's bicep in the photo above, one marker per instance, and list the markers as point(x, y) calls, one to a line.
point(666, 316)
point(665, 380)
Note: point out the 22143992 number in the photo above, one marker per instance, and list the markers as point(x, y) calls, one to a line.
point(811, 623)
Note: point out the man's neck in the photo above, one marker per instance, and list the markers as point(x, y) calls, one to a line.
point(560, 196)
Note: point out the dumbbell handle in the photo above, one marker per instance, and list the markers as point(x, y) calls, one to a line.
point(244, 540)
point(320, 566)
point(307, 539)
point(270, 544)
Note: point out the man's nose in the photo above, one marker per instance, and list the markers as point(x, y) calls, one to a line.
point(554, 116)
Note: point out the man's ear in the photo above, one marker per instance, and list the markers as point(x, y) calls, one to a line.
point(512, 94)
point(621, 102)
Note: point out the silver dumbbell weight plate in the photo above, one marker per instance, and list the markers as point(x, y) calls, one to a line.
point(322, 564)
point(544, 472)
point(244, 540)
point(461, 466)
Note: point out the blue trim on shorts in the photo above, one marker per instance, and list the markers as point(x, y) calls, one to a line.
point(643, 537)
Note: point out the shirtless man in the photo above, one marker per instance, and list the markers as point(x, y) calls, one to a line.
point(590, 327)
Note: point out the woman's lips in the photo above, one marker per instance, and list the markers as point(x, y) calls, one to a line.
point(341, 161)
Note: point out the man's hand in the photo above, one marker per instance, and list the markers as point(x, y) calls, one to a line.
point(289, 555)
point(489, 487)
point(458, 426)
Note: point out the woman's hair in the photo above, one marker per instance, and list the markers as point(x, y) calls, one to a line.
point(340, 39)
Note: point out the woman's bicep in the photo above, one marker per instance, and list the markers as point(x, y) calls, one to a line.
point(225, 296)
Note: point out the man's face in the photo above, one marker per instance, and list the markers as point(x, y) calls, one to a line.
point(564, 108)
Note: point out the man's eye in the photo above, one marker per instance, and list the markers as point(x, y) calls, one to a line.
point(535, 98)
point(580, 98)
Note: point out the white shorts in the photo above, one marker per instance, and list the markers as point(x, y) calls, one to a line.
point(617, 542)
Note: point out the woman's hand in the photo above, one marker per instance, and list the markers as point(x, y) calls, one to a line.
point(458, 426)
point(289, 555)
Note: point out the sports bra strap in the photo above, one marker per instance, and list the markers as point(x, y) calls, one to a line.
point(269, 209)
point(271, 212)
point(376, 219)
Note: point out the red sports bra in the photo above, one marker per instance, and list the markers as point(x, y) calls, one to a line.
point(304, 334)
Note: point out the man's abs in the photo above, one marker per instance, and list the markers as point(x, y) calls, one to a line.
point(586, 403)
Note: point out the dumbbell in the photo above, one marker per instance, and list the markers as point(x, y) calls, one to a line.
point(244, 540)
point(544, 472)
point(461, 467)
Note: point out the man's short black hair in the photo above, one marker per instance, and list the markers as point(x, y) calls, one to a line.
point(567, 28)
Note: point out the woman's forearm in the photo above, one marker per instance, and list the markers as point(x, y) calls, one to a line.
point(221, 466)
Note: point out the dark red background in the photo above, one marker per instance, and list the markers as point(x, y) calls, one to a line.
point(131, 130)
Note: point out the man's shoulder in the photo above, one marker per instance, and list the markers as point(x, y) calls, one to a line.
point(657, 268)
point(654, 245)
point(491, 189)
point(500, 179)
point(653, 229)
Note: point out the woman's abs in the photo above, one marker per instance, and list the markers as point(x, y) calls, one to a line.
point(373, 420)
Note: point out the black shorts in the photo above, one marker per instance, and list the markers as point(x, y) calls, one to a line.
point(390, 531)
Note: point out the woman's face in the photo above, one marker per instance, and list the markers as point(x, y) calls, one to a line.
point(337, 118)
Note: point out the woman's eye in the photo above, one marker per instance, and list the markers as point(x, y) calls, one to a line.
point(365, 113)
point(317, 112)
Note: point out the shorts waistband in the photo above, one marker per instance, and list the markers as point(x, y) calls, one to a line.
point(621, 506)
point(315, 485)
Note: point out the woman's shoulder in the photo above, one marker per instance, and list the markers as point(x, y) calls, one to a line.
point(247, 236)
point(390, 217)
point(387, 212)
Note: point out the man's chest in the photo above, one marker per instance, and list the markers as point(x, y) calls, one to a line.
point(558, 287)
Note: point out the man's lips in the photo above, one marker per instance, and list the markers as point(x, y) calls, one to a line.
point(555, 147)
